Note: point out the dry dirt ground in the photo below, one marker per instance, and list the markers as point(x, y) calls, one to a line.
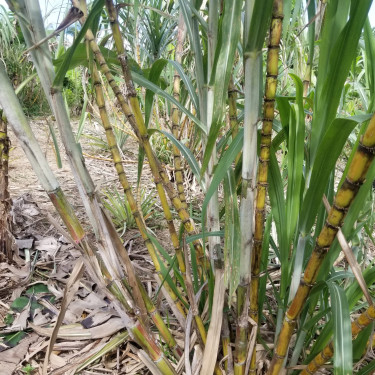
point(46, 260)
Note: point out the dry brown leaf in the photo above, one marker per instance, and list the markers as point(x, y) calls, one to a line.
point(48, 244)
point(70, 290)
point(214, 331)
point(77, 332)
point(9, 359)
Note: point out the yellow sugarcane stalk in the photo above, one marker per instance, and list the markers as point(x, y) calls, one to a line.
point(264, 157)
point(176, 115)
point(326, 354)
point(344, 197)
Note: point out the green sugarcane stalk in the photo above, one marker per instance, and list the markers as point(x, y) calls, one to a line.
point(249, 160)
point(358, 168)
point(265, 142)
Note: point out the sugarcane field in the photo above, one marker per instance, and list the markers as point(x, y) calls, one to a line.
point(187, 187)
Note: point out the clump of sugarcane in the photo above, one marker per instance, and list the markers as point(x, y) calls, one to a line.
point(135, 106)
point(358, 168)
point(133, 100)
point(264, 157)
point(99, 273)
point(105, 69)
point(326, 354)
point(126, 186)
point(163, 329)
point(136, 120)
point(176, 114)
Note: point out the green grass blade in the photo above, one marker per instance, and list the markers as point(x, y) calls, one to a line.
point(360, 343)
point(156, 70)
point(188, 84)
point(369, 39)
point(186, 153)
point(295, 158)
point(224, 164)
point(369, 369)
point(343, 356)
point(334, 68)
point(259, 25)
point(278, 207)
point(194, 237)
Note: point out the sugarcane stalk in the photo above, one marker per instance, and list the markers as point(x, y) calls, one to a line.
point(358, 168)
point(213, 221)
point(264, 157)
point(139, 128)
point(326, 354)
point(159, 323)
point(178, 170)
point(225, 342)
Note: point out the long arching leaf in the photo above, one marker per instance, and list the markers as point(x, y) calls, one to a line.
point(144, 82)
point(156, 69)
point(188, 84)
point(186, 153)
